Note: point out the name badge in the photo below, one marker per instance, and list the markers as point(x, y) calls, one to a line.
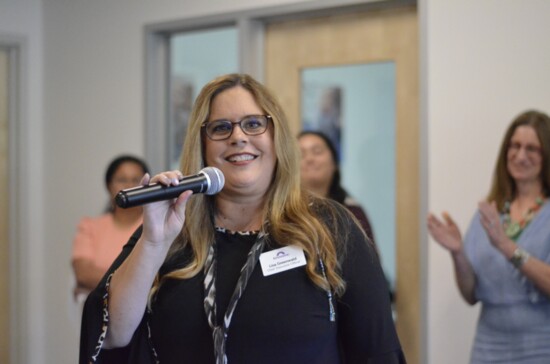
point(279, 260)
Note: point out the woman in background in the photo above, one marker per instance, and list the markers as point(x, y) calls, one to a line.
point(504, 260)
point(320, 174)
point(99, 240)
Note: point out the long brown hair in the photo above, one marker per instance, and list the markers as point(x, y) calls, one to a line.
point(289, 213)
point(504, 187)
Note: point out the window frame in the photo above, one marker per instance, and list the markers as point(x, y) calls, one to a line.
point(250, 26)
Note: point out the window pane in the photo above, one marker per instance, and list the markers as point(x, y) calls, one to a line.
point(355, 106)
point(196, 57)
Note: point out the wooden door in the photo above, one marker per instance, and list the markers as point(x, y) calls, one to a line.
point(367, 37)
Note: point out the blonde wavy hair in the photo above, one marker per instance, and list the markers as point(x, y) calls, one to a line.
point(291, 215)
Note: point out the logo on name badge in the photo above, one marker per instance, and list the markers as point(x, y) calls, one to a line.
point(282, 259)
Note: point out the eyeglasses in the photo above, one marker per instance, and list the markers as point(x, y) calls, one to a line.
point(531, 150)
point(222, 129)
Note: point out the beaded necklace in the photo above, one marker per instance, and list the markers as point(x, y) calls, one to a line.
point(513, 229)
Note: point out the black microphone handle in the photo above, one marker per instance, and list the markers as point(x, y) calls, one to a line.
point(141, 195)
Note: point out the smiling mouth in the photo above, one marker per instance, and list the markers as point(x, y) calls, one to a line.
point(241, 158)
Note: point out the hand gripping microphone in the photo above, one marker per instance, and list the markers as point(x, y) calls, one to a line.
point(209, 180)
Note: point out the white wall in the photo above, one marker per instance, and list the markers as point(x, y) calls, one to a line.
point(484, 61)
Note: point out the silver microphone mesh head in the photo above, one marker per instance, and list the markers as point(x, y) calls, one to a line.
point(216, 179)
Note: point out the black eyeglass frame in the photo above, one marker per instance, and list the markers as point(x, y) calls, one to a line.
point(233, 123)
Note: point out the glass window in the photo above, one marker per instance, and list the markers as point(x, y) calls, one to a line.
point(354, 105)
point(196, 57)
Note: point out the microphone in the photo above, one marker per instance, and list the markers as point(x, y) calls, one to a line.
point(209, 180)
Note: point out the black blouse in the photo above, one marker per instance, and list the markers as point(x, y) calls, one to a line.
point(280, 318)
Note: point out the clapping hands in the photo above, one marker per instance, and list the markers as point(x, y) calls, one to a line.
point(445, 232)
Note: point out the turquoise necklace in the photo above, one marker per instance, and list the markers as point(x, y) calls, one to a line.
point(513, 229)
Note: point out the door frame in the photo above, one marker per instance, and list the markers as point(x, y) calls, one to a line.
point(16, 48)
point(250, 27)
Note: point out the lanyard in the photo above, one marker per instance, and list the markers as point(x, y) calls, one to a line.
point(219, 333)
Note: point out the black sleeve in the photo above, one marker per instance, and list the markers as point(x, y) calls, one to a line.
point(365, 324)
point(95, 323)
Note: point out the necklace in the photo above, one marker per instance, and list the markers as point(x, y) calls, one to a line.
point(513, 229)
